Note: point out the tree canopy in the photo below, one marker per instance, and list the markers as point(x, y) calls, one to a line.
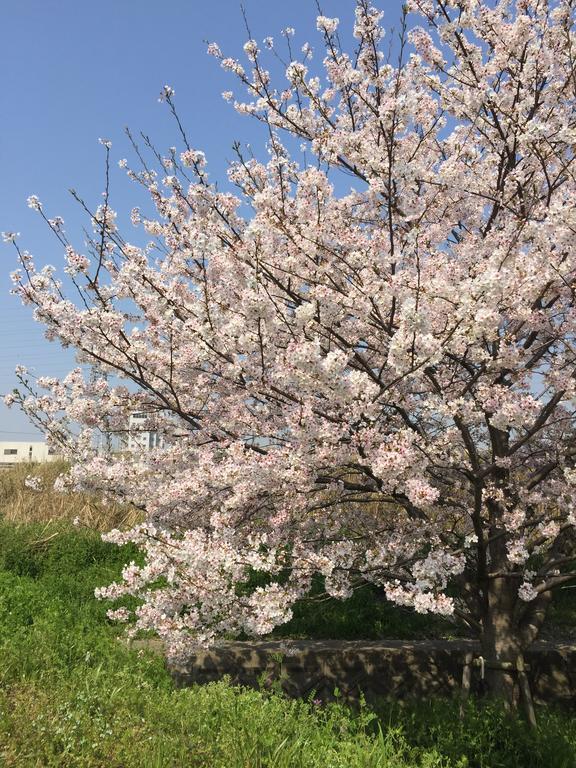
point(374, 385)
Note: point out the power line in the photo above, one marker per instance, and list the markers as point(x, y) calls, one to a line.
point(16, 432)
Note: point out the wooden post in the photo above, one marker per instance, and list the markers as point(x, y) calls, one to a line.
point(526, 692)
point(466, 678)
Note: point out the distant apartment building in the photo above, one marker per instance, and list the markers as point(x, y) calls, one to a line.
point(140, 437)
point(15, 452)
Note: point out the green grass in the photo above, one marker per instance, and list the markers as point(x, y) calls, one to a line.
point(367, 615)
point(562, 615)
point(73, 694)
point(485, 737)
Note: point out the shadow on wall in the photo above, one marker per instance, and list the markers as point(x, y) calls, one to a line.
point(392, 669)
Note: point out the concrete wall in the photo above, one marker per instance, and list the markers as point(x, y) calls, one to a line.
point(390, 669)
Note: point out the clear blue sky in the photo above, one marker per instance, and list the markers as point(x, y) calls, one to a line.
point(73, 71)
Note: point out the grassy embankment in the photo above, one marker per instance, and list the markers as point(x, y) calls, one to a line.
point(71, 694)
point(20, 504)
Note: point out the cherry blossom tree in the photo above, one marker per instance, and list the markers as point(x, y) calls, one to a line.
point(374, 385)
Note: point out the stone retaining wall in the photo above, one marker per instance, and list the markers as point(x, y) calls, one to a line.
point(392, 669)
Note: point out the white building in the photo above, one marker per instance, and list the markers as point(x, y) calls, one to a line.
point(140, 438)
point(14, 452)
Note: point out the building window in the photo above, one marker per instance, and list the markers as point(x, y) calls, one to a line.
point(10, 451)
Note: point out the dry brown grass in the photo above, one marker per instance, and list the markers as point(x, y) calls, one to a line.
point(20, 504)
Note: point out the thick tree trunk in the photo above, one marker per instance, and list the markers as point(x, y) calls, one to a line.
point(500, 643)
point(503, 645)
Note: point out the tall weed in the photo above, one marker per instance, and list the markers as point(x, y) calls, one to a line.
point(22, 505)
